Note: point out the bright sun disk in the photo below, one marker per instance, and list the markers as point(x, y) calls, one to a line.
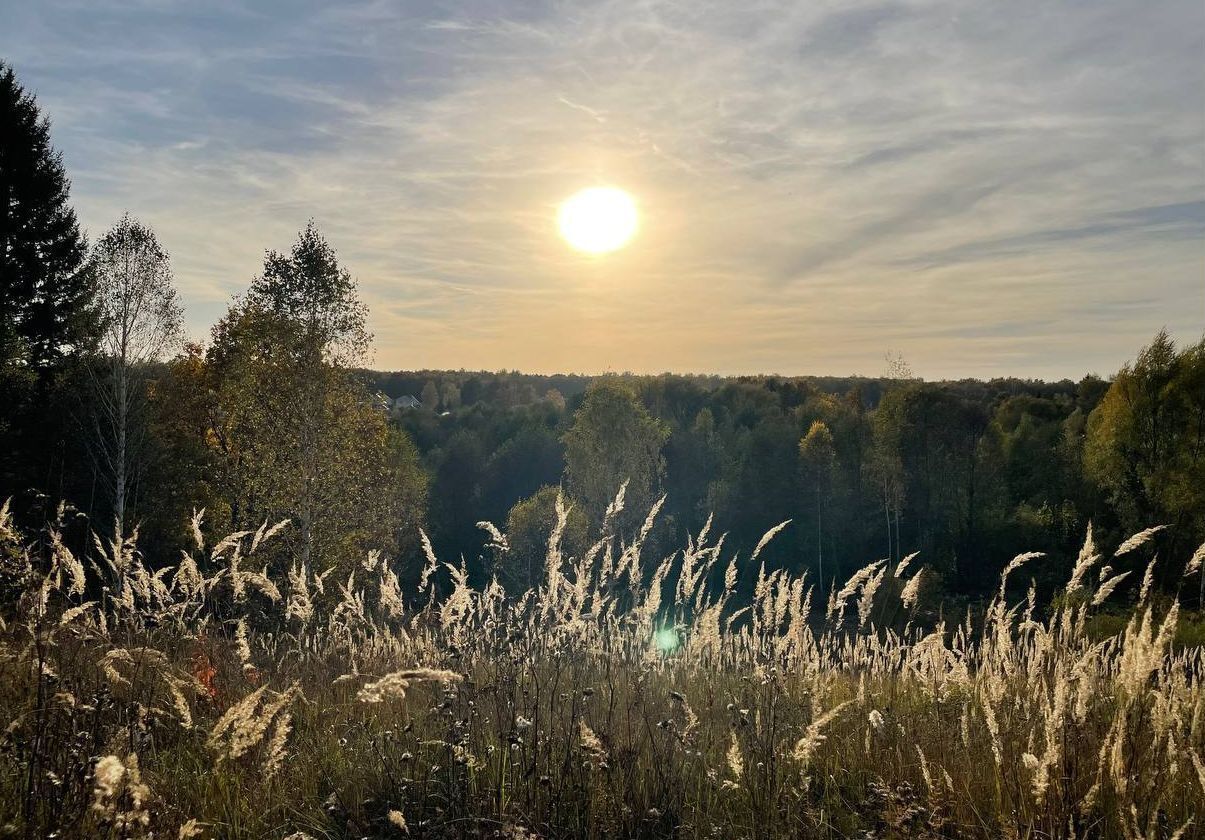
point(598, 220)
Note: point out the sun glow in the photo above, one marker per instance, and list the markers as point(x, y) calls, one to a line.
point(598, 220)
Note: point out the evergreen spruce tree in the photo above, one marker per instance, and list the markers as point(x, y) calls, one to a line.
point(47, 316)
point(45, 292)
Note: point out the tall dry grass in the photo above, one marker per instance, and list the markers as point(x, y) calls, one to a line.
point(620, 698)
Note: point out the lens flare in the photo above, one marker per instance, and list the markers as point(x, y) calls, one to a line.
point(666, 639)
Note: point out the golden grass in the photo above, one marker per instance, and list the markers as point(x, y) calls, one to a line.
point(620, 698)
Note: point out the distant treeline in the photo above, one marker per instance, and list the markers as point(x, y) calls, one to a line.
point(968, 472)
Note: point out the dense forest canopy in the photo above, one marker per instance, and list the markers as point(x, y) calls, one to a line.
point(969, 473)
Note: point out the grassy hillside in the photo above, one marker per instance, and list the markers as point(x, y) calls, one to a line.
point(625, 696)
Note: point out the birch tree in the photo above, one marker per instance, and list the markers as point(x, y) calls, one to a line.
point(141, 320)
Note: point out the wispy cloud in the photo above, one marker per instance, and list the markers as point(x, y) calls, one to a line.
point(991, 188)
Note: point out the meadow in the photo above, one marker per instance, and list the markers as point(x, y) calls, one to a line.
point(622, 697)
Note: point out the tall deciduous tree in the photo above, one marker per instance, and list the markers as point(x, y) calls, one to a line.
point(614, 439)
point(300, 437)
point(1146, 440)
point(817, 458)
point(429, 396)
point(142, 322)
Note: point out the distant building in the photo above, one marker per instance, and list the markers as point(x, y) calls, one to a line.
point(381, 402)
point(407, 401)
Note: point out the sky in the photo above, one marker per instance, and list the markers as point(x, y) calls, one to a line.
point(985, 188)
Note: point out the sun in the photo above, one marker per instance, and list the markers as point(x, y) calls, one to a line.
point(598, 220)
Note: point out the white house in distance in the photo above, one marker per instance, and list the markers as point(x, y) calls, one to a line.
point(383, 402)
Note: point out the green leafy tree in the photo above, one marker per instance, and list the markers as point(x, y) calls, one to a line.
point(184, 470)
point(555, 398)
point(614, 439)
point(430, 396)
point(1145, 442)
point(450, 396)
point(300, 437)
point(528, 527)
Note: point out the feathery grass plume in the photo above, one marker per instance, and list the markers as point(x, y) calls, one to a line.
point(806, 746)
point(180, 705)
point(993, 728)
point(189, 830)
point(236, 717)
point(851, 587)
point(119, 795)
point(766, 537)
point(589, 742)
point(260, 582)
point(458, 606)
point(866, 602)
point(351, 609)
point(1087, 556)
point(188, 579)
point(1106, 588)
point(646, 527)
point(924, 769)
point(903, 564)
point(911, 590)
point(1148, 580)
point(109, 666)
point(8, 533)
point(398, 821)
point(1137, 540)
point(237, 580)
point(276, 744)
point(432, 562)
point(198, 538)
point(554, 576)
point(1016, 563)
point(228, 543)
point(65, 561)
point(393, 686)
point(615, 507)
point(736, 762)
point(1195, 562)
point(299, 606)
point(1055, 714)
point(250, 725)
point(498, 540)
point(389, 592)
point(389, 687)
point(264, 533)
point(241, 645)
point(72, 614)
